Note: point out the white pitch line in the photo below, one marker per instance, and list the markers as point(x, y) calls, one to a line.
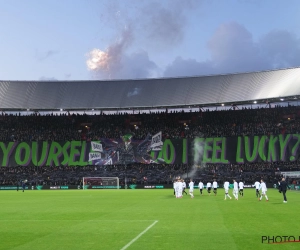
point(137, 237)
point(81, 220)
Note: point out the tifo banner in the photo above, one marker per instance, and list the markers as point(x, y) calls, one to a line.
point(125, 150)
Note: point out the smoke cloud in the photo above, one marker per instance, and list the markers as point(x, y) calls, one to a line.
point(155, 24)
point(151, 28)
point(232, 50)
point(109, 61)
point(163, 23)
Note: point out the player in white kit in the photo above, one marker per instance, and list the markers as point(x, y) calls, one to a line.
point(257, 188)
point(191, 191)
point(235, 190)
point(215, 186)
point(201, 186)
point(241, 187)
point(180, 188)
point(176, 188)
point(264, 190)
point(226, 188)
point(208, 187)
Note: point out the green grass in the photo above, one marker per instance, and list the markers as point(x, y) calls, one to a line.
point(110, 219)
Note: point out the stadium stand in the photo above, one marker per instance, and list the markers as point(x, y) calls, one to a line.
point(190, 94)
point(67, 127)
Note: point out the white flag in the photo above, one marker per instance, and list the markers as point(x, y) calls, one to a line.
point(94, 156)
point(156, 142)
point(97, 146)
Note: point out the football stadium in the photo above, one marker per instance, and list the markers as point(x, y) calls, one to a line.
point(207, 162)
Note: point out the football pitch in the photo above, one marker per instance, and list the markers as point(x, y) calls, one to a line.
point(145, 219)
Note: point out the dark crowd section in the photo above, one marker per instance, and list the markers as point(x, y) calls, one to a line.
point(204, 123)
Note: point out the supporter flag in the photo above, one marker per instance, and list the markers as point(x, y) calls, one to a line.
point(94, 156)
point(96, 151)
point(108, 162)
point(156, 142)
point(96, 146)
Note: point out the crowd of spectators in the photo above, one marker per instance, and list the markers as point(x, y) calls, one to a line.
point(67, 127)
point(146, 174)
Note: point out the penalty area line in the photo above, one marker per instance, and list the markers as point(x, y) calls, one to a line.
point(137, 237)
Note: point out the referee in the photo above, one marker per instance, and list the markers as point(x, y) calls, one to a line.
point(283, 186)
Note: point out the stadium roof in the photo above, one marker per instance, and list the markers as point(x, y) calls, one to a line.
point(148, 93)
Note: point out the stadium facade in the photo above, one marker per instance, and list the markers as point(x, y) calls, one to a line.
point(266, 86)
